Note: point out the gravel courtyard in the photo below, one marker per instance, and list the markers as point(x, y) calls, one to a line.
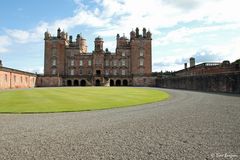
point(190, 125)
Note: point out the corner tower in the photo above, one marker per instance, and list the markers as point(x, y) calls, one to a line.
point(54, 53)
point(141, 52)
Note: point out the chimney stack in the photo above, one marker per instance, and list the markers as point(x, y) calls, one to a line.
point(185, 65)
point(192, 62)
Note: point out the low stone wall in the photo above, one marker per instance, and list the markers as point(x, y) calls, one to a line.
point(225, 82)
point(48, 81)
point(145, 81)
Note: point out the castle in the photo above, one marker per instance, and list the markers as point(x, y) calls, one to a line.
point(68, 62)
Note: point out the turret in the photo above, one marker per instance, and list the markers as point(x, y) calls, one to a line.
point(70, 39)
point(47, 35)
point(144, 33)
point(58, 33)
point(63, 35)
point(149, 35)
point(98, 44)
point(82, 43)
point(137, 32)
point(132, 35)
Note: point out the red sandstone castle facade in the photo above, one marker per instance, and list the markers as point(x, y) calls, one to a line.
point(68, 63)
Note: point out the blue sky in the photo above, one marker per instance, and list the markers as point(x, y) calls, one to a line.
point(206, 29)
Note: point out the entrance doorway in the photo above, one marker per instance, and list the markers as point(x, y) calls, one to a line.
point(69, 83)
point(111, 82)
point(118, 82)
point(76, 83)
point(125, 82)
point(83, 83)
point(97, 82)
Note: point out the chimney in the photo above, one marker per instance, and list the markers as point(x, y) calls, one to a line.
point(185, 65)
point(192, 62)
point(0, 63)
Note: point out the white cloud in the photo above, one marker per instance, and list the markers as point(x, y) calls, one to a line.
point(110, 17)
point(184, 34)
point(4, 43)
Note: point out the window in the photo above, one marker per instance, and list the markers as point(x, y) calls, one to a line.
point(89, 72)
point(141, 53)
point(54, 62)
point(80, 71)
point(54, 52)
point(107, 63)
point(26, 79)
point(123, 62)
point(123, 54)
point(72, 62)
point(141, 62)
point(14, 78)
point(115, 63)
point(53, 71)
point(72, 72)
point(21, 79)
point(80, 63)
point(89, 62)
point(6, 77)
point(123, 72)
point(107, 72)
point(115, 72)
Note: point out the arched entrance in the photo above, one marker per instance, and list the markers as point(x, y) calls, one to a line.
point(83, 83)
point(118, 82)
point(76, 83)
point(69, 83)
point(97, 82)
point(111, 82)
point(125, 82)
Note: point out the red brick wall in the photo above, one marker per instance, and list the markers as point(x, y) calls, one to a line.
point(16, 80)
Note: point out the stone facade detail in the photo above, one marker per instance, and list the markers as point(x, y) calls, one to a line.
point(70, 61)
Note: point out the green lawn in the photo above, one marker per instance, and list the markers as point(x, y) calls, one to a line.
point(75, 99)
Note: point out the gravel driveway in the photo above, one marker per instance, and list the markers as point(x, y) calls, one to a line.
point(190, 125)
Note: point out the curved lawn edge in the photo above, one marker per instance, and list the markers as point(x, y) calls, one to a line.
point(164, 97)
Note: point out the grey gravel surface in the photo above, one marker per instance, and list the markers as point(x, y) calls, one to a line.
point(190, 125)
